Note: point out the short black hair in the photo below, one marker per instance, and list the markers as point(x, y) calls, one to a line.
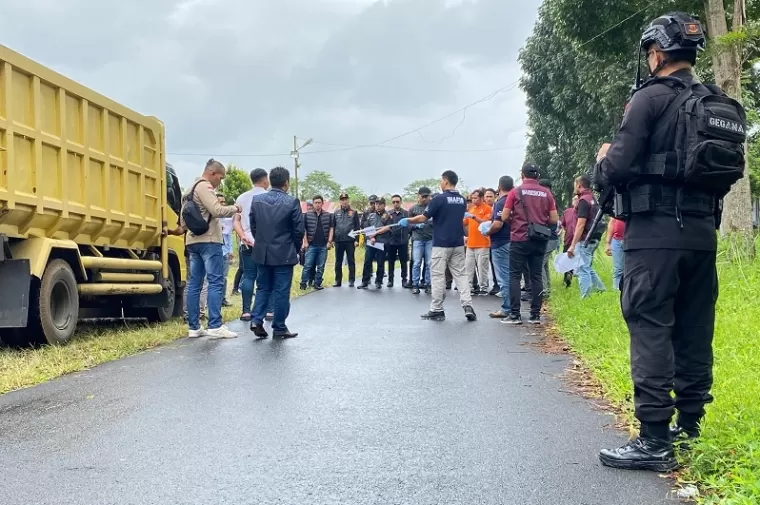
point(451, 177)
point(506, 183)
point(257, 175)
point(317, 197)
point(491, 190)
point(478, 192)
point(396, 196)
point(278, 177)
point(545, 183)
point(584, 180)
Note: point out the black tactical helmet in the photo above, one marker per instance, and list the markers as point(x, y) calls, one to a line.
point(675, 31)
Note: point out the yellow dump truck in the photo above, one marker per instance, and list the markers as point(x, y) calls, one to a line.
point(85, 196)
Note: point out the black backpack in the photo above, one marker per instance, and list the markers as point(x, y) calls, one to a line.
point(710, 135)
point(192, 215)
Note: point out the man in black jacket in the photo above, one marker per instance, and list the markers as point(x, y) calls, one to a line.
point(277, 226)
point(344, 221)
point(398, 242)
point(670, 282)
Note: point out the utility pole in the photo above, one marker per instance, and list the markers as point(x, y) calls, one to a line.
point(294, 154)
point(295, 159)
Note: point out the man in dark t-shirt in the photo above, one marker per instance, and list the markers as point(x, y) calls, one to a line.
point(447, 211)
point(499, 233)
point(588, 279)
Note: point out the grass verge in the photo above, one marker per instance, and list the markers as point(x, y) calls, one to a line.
point(725, 464)
point(99, 343)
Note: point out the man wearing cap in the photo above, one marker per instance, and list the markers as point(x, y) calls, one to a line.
point(422, 243)
point(531, 211)
point(368, 211)
point(380, 220)
point(447, 210)
point(344, 221)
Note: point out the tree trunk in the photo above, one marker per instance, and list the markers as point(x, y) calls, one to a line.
point(727, 65)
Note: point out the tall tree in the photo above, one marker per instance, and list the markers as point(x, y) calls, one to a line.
point(319, 182)
point(410, 190)
point(358, 197)
point(236, 182)
point(727, 59)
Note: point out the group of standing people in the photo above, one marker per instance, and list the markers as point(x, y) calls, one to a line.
point(270, 227)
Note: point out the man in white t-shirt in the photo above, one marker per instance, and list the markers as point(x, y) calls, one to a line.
point(242, 226)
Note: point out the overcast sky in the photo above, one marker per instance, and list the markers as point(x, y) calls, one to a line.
point(236, 77)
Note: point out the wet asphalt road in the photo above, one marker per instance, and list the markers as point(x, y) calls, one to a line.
point(370, 405)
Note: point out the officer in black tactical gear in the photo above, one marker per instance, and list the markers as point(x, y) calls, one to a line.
point(677, 153)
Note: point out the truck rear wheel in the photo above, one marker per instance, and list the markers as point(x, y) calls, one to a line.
point(55, 308)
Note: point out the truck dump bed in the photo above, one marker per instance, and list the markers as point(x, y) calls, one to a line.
point(75, 165)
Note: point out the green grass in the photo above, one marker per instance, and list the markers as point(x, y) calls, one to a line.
point(99, 343)
point(725, 464)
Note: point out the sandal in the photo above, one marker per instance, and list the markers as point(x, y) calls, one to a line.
point(245, 317)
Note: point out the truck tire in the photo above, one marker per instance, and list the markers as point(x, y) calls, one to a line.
point(55, 308)
point(156, 314)
point(163, 314)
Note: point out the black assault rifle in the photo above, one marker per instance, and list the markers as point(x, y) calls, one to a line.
point(606, 206)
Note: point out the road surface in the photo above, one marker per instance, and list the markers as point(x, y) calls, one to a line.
point(370, 405)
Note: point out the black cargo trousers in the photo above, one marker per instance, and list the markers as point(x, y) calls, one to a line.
point(668, 302)
point(347, 249)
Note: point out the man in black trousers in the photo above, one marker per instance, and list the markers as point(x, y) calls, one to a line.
point(344, 221)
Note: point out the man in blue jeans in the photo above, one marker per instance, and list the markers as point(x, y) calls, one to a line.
point(260, 181)
point(277, 226)
point(205, 252)
point(316, 242)
point(499, 231)
point(422, 243)
point(588, 279)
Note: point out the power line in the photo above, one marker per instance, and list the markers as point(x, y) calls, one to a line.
point(491, 95)
point(348, 148)
point(344, 147)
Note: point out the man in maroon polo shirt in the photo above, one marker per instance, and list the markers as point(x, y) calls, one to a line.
point(531, 209)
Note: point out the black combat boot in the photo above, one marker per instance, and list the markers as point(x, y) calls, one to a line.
point(685, 430)
point(652, 450)
point(469, 313)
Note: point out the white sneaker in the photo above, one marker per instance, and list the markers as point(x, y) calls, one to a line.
point(221, 332)
point(196, 333)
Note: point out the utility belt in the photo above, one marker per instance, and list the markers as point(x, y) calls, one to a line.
point(649, 198)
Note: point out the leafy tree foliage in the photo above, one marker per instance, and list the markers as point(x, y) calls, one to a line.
point(357, 196)
point(411, 189)
point(319, 182)
point(578, 75)
point(236, 182)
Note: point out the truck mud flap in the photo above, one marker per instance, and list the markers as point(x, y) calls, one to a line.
point(15, 280)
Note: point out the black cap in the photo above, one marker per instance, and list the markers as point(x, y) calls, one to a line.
point(424, 191)
point(530, 170)
point(381, 200)
point(372, 198)
point(343, 196)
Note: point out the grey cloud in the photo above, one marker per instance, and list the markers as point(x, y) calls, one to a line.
point(242, 76)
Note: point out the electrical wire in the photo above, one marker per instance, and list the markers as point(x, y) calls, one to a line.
point(347, 147)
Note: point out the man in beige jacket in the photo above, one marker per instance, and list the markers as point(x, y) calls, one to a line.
point(205, 252)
